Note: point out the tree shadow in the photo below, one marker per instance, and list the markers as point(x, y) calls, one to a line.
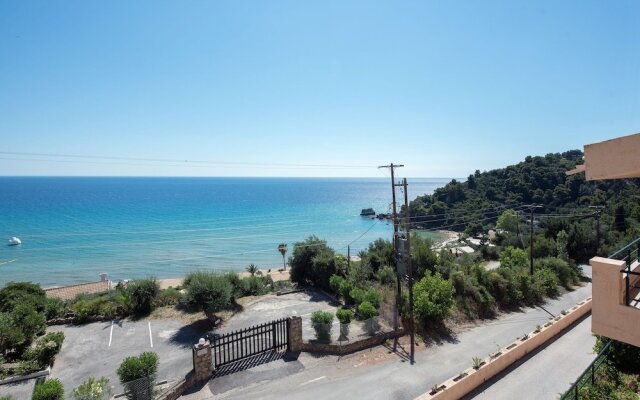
point(437, 334)
point(188, 335)
point(254, 361)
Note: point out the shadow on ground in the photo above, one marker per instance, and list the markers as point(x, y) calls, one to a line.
point(254, 361)
point(188, 335)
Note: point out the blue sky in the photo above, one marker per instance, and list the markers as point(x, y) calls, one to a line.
point(443, 87)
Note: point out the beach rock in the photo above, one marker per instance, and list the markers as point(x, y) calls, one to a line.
point(367, 211)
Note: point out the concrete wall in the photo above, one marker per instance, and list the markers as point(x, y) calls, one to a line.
point(459, 386)
point(611, 316)
point(613, 159)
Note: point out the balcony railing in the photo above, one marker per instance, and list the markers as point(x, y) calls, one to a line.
point(629, 254)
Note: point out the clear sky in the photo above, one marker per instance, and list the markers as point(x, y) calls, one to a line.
point(444, 87)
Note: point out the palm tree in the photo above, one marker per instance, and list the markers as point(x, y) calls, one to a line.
point(282, 248)
point(252, 269)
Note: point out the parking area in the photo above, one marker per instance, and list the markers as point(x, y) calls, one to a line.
point(97, 349)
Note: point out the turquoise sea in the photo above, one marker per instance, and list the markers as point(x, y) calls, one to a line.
point(72, 229)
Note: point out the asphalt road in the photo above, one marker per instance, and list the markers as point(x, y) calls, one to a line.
point(311, 378)
point(97, 349)
point(548, 372)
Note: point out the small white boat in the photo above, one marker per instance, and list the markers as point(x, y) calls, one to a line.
point(14, 241)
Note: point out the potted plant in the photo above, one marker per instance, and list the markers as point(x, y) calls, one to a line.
point(321, 321)
point(344, 315)
point(367, 312)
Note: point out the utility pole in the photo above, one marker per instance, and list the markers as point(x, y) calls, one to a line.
point(394, 217)
point(409, 265)
point(531, 208)
point(348, 257)
point(598, 214)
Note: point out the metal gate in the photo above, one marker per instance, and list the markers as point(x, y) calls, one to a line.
point(234, 346)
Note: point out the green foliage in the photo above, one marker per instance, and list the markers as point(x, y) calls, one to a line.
point(335, 281)
point(22, 293)
point(208, 291)
point(93, 389)
point(562, 243)
point(142, 293)
point(252, 269)
point(27, 367)
point(254, 286)
point(386, 275)
point(433, 298)
point(567, 275)
point(45, 350)
point(508, 221)
point(168, 297)
point(313, 263)
point(11, 336)
point(512, 257)
point(622, 356)
point(29, 320)
point(366, 310)
point(321, 321)
point(374, 297)
point(424, 257)
point(345, 291)
point(546, 281)
point(378, 254)
point(344, 315)
point(51, 389)
point(108, 305)
point(143, 366)
point(54, 308)
point(358, 295)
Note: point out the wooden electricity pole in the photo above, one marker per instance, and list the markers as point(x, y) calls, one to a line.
point(407, 224)
point(531, 208)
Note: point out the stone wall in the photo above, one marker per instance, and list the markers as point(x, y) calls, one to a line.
point(297, 344)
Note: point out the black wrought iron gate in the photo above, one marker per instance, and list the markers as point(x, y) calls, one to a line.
point(234, 346)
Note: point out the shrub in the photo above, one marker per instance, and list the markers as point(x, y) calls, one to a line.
point(168, 297)
point(208, 291)
point(313, 262)
point(142, 293)
point(335, 282)
point(512, 257)
point(322, 321)
point(622, 356)
point(93, 389)
point(51, 389)
point(567, 276)
point(143, 366)
point(373, 297)
point(107, 305)
point(29, 321)
point(366, 310)
point(54, 308)
point(253, 286)
point(386, 275)
point(45, 350)
point(22, 293)
point(433, 298)
point(345, 291)
point(344, 315)
point(28, 367)
point(11, 336)
point(547, 281)
point(357, 295)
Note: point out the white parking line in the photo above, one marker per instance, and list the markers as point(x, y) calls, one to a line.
point(312, 380)
point(150, 337)
point(111, 333)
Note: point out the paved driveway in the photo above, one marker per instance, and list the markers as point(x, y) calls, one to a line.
point(97, 349)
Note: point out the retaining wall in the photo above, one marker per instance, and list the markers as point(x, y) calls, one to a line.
point(459, 386)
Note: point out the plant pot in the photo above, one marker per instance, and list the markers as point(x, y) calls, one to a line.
point(344, 332)
point(370, 326)
point(323, 332)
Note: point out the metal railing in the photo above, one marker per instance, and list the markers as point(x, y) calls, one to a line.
point(629, 254)
point(589, 374)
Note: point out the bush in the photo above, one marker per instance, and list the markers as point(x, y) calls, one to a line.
point(386, 275)
point(345, 291)
point(622, 356)
point(168, 297)
point(373, 297)
point(366, 310)
point(22, 293)
point(321, 321)
point(51, 389)
point(93, 389)
point(313, 262)
point(134, 368)
point(107, 305)
point(208, 291)
point(11, 336)
point(29, 321)
point(567, 275)
point(547, 281)
point(335, 282)
point(344, 315)
point(45, 350)
point(433, 298)
point(28, 367)
point(512, 257)
point(254, 286)
point(142, 293)
point(54, 308)
point(357, 295)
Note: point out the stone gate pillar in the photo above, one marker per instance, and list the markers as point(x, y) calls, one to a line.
point(295, 334)
point(202, 360)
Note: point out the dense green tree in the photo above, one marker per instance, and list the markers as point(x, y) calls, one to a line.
point(433, 298)
point(508, 221)
point(512, 257)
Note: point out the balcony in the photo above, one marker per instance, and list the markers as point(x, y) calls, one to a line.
point(616, 294)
